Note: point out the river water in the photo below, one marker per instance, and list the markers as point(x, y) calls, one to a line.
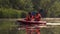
point(7, 26)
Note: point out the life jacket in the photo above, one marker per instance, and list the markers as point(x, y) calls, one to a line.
point(29, 17)
point(38, 17)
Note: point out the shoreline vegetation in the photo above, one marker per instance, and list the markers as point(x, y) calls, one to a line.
point(12, 13)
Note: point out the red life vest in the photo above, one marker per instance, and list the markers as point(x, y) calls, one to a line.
point(29, 18)
point(38, 17)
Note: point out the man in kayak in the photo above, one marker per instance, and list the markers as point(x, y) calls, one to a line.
point(37, 16)
point(29, 17)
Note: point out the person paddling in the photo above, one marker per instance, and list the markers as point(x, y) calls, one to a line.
point(29, 17)
point(37, 16)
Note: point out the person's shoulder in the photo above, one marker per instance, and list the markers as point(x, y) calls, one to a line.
point(39, 14)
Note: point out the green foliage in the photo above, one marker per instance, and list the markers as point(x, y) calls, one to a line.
point(54, 10)
point(23, 15)
point(50, 7)
point(10, 13)
point(26, 5)
point(17, 4)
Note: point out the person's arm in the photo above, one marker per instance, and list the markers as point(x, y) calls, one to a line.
point(40, 15)
point(32, 18)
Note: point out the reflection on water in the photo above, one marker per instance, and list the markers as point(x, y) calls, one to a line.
point(6, 27)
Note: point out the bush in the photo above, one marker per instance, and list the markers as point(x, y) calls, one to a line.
point(23, 15)
point(11, 13)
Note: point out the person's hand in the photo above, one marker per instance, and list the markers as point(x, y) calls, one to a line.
point(32, 19)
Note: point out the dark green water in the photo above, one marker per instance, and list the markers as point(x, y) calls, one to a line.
point(8, 27)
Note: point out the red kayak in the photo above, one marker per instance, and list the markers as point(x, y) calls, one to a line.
point(31, 22)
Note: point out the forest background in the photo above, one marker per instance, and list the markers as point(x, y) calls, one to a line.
point(19, 8)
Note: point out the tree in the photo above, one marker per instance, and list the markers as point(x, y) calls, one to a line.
point(54, 10)
point(26, 5)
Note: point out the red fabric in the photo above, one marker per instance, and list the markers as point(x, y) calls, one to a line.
point(28, 18)
point(38, 17)
point(38, 31)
